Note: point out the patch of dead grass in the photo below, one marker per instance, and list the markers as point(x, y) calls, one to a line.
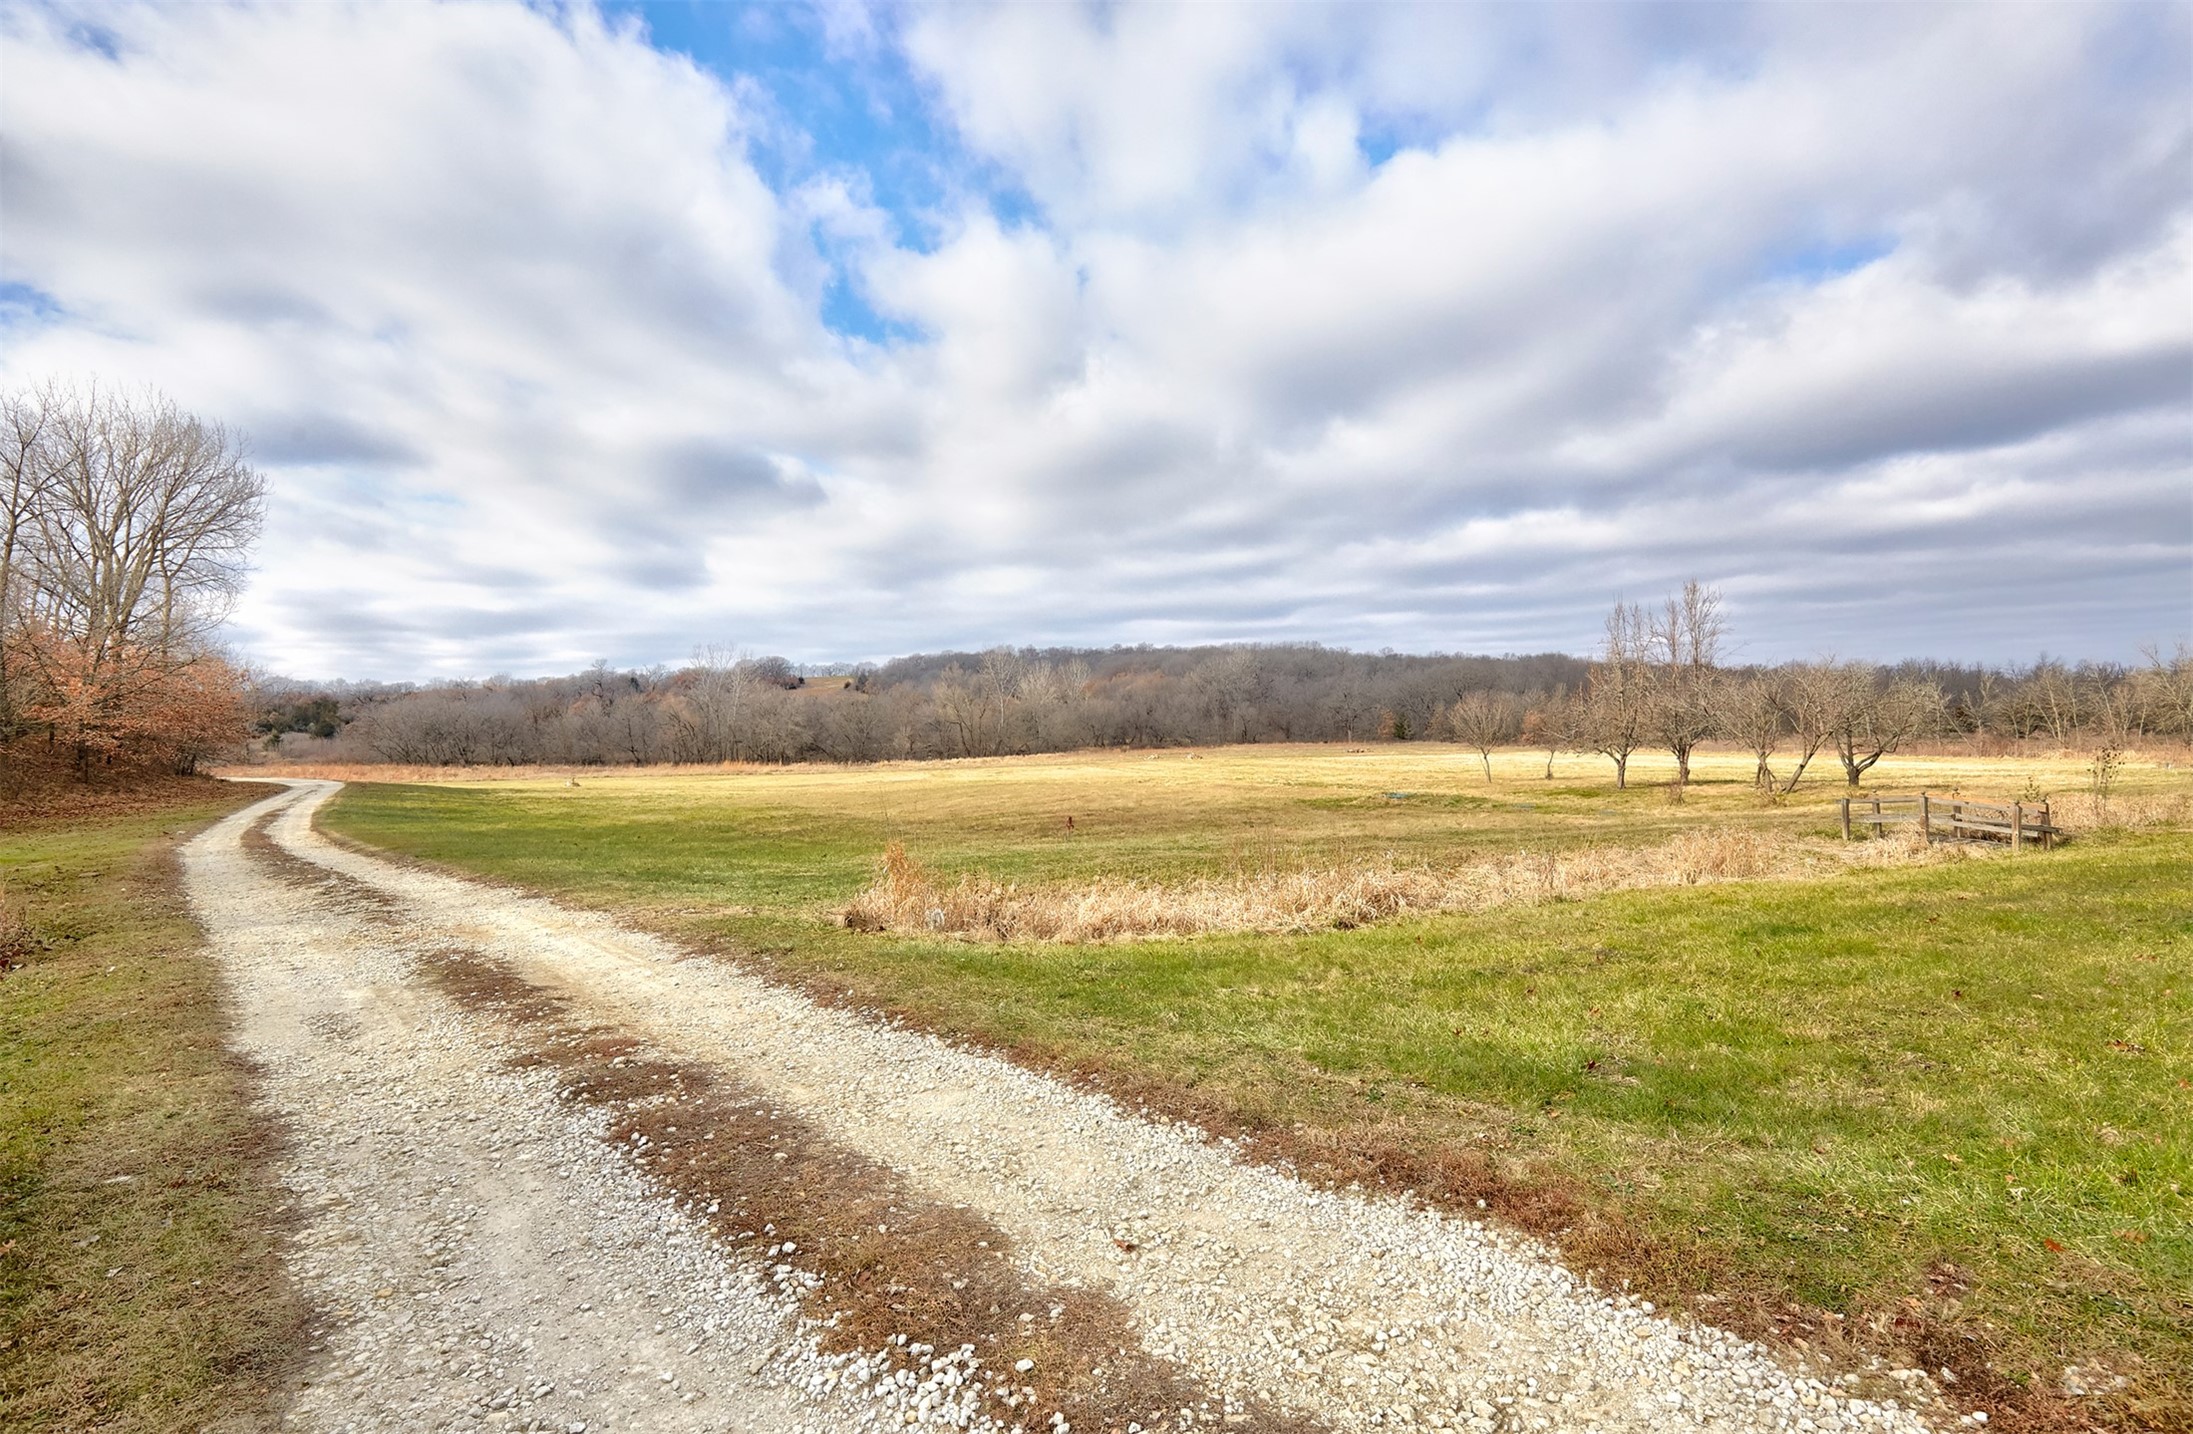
point(2122, 811)
point(907, 898)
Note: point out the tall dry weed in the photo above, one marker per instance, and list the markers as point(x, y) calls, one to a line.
point(906, 897)
point(2122, 811)
point(18, 938)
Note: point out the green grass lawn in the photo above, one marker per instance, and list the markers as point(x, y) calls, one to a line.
point(1950, 1103)
point(140, 1278)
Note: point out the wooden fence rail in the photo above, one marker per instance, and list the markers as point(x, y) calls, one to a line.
point(1954, 819)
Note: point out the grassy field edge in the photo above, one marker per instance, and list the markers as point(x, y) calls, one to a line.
point(142, 1218)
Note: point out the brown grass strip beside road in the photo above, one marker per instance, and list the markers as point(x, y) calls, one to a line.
point(899, 1272)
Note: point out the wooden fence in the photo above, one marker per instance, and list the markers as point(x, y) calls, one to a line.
point(1954, 819)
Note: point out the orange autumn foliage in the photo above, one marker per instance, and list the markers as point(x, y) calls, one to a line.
point(127, 705)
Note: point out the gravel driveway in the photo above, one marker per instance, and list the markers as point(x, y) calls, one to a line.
point(486, 1256)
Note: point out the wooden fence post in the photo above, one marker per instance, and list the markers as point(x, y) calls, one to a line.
point(2048, 829)
point(1926, 819)
point(2017, 826)
point(1846, 819)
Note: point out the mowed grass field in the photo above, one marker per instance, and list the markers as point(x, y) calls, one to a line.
point(1941, 1113)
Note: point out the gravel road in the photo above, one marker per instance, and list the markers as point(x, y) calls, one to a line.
point(486, 1258)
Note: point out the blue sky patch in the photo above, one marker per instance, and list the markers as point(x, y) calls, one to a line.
point(1818, 262)
point(838, 107)
point(23, 305)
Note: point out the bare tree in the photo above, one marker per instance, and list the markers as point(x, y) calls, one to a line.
point(1482, 721)
point(2167, 686)
point(1618, 693)
point(2052, 698)
point(1754, 710)
point(25, 476)
point(1813, 695)
point(148, 518)
point(1552, 722)
point(1685, 640)
point(975, 710)
point(129, 523)
point(1873, 716)
point(1235, 684)
point(724, 681)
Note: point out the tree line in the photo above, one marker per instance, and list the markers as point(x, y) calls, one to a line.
point(726, 707)
point(125, 524)
point(1659, 682)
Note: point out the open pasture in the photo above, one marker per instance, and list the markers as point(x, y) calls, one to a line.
point(1938, 1112)
point(796, 839)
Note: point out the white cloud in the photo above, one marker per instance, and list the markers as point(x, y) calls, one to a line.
point(536, 356)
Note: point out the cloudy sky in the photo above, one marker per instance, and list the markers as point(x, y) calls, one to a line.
point(566, 332)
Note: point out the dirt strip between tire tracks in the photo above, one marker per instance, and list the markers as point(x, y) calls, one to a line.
point(461, 1209)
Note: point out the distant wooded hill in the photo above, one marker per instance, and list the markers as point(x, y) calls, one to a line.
point(723, 707)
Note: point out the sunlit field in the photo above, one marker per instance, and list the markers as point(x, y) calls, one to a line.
point(1938, 1110)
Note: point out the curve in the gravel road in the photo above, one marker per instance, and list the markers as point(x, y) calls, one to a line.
point(1358, 1312)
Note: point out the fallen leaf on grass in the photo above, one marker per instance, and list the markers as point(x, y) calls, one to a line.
point(2052, 1247)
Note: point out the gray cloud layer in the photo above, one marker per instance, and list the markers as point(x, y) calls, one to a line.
point(1882, 318)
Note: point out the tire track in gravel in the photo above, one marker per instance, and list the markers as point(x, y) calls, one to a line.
point(878, 1268)
point(484, 1254)
point(1360, 1312)
point(477, 1255)
point(865, 1304)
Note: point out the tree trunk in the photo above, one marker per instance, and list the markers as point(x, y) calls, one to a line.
point(1486, 757)
point(1622, 772)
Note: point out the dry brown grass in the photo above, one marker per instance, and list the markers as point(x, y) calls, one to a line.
point(906, 897)
point(2122, 811)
